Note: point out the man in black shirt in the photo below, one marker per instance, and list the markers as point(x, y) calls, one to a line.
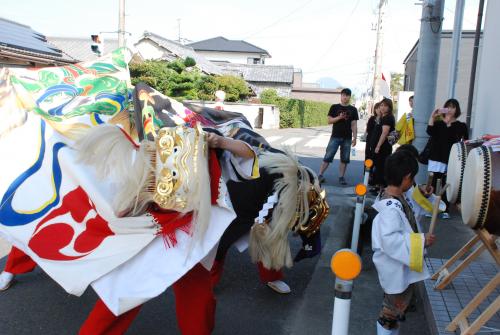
point(344, 133)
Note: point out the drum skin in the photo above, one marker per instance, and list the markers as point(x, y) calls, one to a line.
point(481, 190)
point(456, 166)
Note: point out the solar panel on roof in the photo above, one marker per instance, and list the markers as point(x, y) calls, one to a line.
point(22, 37)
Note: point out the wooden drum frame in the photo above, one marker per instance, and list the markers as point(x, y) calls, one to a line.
point(481, 189)
point(456, 166)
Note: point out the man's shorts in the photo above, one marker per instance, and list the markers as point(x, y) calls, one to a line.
point(333, 146)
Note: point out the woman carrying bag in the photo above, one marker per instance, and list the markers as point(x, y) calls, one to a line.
point(445, 130)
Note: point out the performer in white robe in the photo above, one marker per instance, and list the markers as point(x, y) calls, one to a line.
point(397, 243)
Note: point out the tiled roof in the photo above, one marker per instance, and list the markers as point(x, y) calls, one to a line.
point(260, 72)
point(18, 40)
point(79, 47)
point(222, 44)
point(182, 51)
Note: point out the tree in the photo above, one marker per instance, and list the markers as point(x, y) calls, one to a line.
point(235, 87)
point(179, 79)
point(396, 83)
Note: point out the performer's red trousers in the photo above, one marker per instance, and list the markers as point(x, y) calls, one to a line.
point(194, 301)
point(18, 262)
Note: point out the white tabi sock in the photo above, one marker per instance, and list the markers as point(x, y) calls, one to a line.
point(279, 286)
point(6, 279)
point(382, 331)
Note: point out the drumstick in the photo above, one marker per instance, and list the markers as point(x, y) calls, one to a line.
point(429, 181)
point(438, 187)
point(435, 209)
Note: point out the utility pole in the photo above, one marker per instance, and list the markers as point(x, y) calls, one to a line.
point(427, 69)
point(377, 70)
point(455, 47)
point(179, 30)
point(121, 24)
point(475, 52)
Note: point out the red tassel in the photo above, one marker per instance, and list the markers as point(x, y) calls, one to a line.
point(169, 223)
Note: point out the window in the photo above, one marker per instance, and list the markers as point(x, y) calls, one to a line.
point(252, 60)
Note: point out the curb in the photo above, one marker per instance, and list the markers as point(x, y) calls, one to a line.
point(314, 314)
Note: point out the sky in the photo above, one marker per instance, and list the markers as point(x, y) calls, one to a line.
point(323, 38)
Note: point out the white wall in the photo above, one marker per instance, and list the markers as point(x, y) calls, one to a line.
point(149, 50)
point(271, 118)
point(403, 105)
point(463, 74)
point(486, 114)
point(232, 57)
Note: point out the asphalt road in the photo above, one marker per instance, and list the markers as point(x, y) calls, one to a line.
point(37, 305)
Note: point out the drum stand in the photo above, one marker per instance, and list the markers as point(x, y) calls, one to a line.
point(460, 321)
point(444, 277)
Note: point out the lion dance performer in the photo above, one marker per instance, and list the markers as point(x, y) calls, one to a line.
point(136, 217)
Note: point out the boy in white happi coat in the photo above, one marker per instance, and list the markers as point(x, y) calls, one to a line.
point(397, 244)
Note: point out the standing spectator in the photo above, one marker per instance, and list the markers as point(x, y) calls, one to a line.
point(344, 118)
point(370, 127)
point(405, 126)
point(381, 146)
point(445, 130)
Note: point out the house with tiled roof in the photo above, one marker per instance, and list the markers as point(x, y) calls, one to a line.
point(221, 49)
point(79, 48)
point(20, 45)
point(153, 46)
point(261, 77)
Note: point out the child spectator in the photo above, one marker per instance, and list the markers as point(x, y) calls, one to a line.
point(397, 244)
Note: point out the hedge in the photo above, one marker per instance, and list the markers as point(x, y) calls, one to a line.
point(297, 113)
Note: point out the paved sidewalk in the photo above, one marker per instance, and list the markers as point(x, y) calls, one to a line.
point(444, 305)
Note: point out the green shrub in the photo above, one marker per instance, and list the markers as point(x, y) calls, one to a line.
point(297, 113)
point(189, 62)
point(180, 80)
point(235, 87)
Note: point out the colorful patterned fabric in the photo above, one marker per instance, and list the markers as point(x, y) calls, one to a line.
point(153, 110)
point(52, 207)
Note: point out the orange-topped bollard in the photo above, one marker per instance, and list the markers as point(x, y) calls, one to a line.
point(368, 168)
point(346, 266)
point(360, 190)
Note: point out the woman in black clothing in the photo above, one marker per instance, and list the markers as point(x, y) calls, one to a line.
point(445, 130)
point(381, 146)
point(370, 127)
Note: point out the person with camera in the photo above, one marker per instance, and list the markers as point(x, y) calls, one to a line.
point(445, 130)
point(344, 119)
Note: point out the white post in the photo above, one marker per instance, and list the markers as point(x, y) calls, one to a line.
point(358, 215)
point(377, 69)
point(342, 307)
point(121, 24)
point(346, 266)
point(455, 47)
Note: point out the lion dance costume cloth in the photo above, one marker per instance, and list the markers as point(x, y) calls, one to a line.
point(107, 199)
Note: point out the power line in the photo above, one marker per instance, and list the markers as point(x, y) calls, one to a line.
point(320, 59)
point(278, 20)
